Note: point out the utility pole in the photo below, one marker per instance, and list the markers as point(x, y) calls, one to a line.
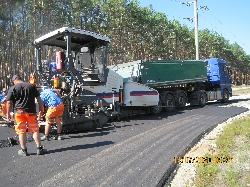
point(195, 18)
point(196, 30)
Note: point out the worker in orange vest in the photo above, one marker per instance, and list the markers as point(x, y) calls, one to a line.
point(32, 79)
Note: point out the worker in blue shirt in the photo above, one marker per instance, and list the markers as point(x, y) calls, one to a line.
point(2, 95)
point(3, 103)
point(51, 99)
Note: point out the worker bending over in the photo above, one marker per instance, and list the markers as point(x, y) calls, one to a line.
point(3, 103)
point(55, 107)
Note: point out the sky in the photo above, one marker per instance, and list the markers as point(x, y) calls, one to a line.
point(229, 18)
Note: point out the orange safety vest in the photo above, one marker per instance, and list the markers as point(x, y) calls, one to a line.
point(32, 81)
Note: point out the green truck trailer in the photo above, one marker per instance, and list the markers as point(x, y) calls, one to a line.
point(181, 82)
point(171, 72)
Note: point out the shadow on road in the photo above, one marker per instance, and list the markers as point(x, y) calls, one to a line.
point(84, 146)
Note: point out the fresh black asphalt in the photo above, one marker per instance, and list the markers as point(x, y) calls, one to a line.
point(136, 152)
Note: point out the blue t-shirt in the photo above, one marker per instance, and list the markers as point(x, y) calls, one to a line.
point(50, 98)
point(52, 66)
point(1, 98)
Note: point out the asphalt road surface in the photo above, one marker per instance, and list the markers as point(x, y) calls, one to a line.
point(136, 152)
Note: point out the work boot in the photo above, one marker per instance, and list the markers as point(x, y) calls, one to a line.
point(41, 151)
point(45, 137)
point(23, 152)
point(58, 137)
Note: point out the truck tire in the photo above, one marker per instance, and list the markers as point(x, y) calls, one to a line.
point(157, 109)
point(225, 96)
point(202, 99)
point(181, 100)
point(169, 102)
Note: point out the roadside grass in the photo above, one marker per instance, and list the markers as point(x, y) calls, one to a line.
point(206, 173)
point(244, 91)
point(231, 177)
point(241, 92)
point(232, 174)
point(238, 127)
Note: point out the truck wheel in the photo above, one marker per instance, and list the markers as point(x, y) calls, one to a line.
point(169, 102)
point(181, 100)
point(203, 100)
point(157, 109)
point(225, 96)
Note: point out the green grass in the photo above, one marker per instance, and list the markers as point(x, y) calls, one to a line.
point(231, 177)
point(243, 158)
point(206, 173)
point(225, 141)
point(245, 147)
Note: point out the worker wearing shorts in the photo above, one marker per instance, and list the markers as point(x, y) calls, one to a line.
point(55, 108)
point(3, 109)
point(21, 96)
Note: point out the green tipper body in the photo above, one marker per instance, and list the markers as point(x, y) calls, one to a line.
point(169, 72)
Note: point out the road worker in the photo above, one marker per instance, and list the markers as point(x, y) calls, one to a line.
point(32, 79)
point(55, 108)
point(3, 103)
point(22, 96)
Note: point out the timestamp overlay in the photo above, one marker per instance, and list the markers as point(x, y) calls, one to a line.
point(203, 159)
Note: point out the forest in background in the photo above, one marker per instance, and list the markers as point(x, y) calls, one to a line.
point(135, 33)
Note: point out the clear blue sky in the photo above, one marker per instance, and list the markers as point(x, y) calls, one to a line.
point(229, 18)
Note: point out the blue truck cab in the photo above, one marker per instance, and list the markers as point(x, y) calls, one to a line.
point(219, 76)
